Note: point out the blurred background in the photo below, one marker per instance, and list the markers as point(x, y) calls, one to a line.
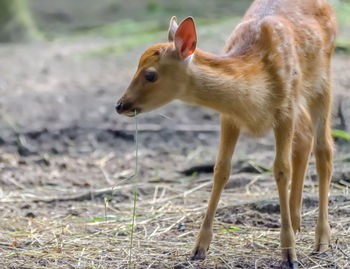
point(64, 63)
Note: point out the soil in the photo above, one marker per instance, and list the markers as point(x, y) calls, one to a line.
point(64, 151)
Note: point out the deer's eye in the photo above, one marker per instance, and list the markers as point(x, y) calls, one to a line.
point(151, 76)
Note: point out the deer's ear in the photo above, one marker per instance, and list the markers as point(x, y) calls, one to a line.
point(185, 39)
point(172, 29)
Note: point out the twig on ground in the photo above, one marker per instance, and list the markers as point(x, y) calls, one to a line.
point(105, 175)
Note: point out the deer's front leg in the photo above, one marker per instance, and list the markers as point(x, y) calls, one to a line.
point(229, 136)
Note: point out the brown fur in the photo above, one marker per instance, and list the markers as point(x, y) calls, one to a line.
point(274, 74)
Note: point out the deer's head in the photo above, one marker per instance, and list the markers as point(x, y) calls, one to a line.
point(161, 75)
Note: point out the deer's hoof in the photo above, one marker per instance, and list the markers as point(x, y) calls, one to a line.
point(323, 237)
point(320, 248)
point(320, 252)
point(289, 265)
point(198, 253)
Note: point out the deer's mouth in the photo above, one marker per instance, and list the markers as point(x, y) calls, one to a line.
point(127, 108)
point(132, 112)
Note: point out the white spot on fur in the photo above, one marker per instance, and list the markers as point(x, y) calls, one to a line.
point(188, 60)
point(319, 3)
point(257, 35)
point(274, 34)
point(281, 73)
point(279, 26)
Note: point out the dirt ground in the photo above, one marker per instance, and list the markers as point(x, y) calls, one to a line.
point(64, 151)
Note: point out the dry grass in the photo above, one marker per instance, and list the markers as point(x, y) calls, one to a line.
point(167, 222)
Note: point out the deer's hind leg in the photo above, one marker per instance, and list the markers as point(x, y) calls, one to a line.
point(323, 150)
point(301, 149)
point(284, 136)
point(323, 146)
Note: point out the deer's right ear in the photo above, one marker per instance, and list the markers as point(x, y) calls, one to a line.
point(185, 39)
point(172, 29)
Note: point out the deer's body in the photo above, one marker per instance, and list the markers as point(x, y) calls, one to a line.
point(269, 51)
point(274, 74)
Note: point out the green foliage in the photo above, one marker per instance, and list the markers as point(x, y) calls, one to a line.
point(230, 229)
point(128, 34)
point(123, 46)
point(341, 134)
point(342, 8)
point(342, 45)
point(16, 23)
point(150, 18)
point(194, 174)
point(153, 7)
point(98, 219)
point(121, 29)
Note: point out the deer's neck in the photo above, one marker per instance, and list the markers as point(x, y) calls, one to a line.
point(222, 83)
point(233, 85)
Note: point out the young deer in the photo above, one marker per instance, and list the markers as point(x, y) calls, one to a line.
point(275, 73)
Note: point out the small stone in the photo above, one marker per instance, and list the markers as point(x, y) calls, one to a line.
point(181, 226)
point(30, 215)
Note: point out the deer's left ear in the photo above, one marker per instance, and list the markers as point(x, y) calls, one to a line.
point(172, 29)
point(185, 38)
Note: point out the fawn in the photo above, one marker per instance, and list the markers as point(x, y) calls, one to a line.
point(275, 73)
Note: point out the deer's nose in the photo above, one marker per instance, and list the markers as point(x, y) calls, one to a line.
point(119, 107)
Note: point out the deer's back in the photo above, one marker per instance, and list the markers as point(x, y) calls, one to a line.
point(294, 39)
point(312, 24)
